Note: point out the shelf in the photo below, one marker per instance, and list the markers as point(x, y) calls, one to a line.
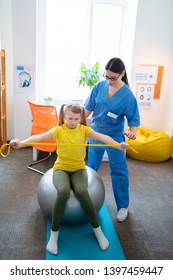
point(3, 122)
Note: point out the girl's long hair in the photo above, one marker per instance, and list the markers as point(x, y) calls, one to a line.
point(74, 108)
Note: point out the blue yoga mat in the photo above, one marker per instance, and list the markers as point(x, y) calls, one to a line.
point(78, 242)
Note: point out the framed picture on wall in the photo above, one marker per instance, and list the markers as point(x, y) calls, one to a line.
point(145, 94)
point(24, 79)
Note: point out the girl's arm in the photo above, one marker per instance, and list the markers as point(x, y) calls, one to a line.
point(123, 146)
point(34, 138)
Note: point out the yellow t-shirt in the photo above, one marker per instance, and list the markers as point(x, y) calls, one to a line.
point(70, 158)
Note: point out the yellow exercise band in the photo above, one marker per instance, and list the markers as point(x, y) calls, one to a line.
point(7, 146)
point(3, 147)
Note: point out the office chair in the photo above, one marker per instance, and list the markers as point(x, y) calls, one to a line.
point(44, 117)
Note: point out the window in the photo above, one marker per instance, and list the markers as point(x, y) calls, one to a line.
point(78, 31)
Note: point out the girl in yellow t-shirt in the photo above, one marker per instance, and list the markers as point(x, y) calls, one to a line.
point(69, 170)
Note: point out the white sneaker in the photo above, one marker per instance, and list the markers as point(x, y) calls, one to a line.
point(122, 214)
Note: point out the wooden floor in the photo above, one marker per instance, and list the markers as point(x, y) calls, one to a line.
point(147, 233)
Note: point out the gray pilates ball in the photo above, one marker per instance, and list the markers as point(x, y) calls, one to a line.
point(46, 194)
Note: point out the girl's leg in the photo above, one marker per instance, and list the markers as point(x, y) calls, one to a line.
point(61, 181)
point(52, 245)
point(79, 184)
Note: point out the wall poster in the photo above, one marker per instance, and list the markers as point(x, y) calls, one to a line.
point(24, 79)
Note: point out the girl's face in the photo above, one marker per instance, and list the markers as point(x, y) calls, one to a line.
point(72, 119)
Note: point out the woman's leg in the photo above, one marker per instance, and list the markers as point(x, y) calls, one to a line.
point(79, 184)
point(118, 169)
point(119, 176)
point(61, 181)
point(95, 155)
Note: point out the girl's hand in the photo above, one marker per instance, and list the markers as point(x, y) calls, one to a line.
point(124, 146)
point(15, 144)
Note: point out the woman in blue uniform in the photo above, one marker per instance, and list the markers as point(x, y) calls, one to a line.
point(110, 102)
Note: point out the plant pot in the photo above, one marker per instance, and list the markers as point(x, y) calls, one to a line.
point(48, 102)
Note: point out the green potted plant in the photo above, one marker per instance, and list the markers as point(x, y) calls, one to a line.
point(48, 100)
point(88, 76)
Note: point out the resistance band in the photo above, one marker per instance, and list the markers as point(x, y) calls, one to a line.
point(6, 147)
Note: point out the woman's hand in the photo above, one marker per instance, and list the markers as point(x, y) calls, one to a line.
point(14, 143)
point(130, 135)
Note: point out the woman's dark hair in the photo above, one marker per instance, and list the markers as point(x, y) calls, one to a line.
point(116, 65)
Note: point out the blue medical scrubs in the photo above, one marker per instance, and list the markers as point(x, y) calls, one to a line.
point(109, 118)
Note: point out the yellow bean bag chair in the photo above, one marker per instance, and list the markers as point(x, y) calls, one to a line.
point(153, 146)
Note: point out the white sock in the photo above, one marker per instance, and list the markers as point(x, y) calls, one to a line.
point(103, 242)
point(52, 245)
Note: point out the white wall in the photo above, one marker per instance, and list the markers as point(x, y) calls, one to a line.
point(153, 44)
point(18, 38)
point(7, 44)
point(24, 53)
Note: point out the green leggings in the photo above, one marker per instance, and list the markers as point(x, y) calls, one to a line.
point(78, 182)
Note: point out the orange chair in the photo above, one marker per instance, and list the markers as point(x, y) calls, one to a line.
point(44, 117)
